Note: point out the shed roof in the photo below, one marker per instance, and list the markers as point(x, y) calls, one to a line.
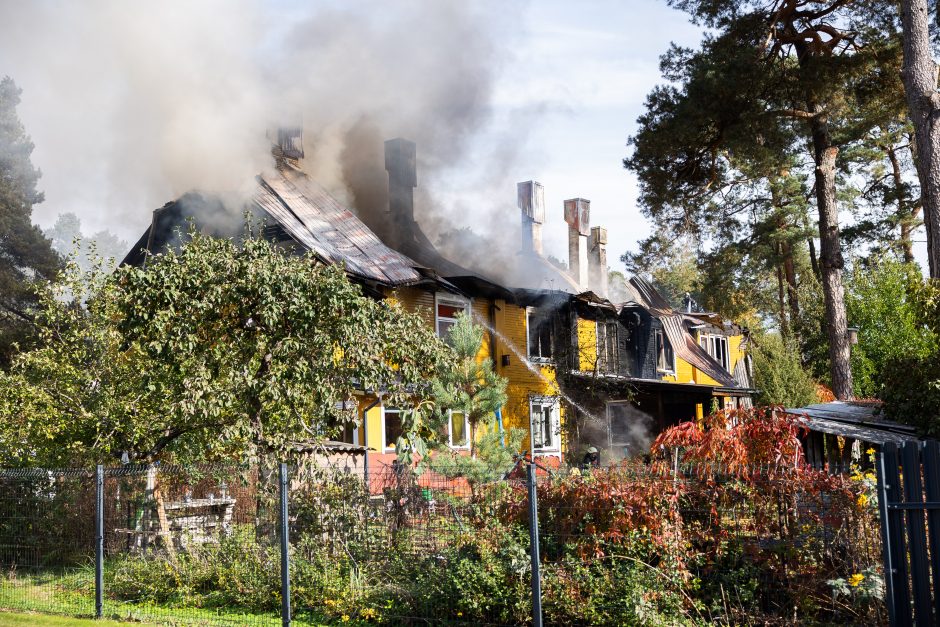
point(859, 421)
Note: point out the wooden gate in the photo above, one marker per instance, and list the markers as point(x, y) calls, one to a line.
point(909, 504)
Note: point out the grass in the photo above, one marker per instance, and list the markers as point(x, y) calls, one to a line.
point(70, 595)
point(8, 619)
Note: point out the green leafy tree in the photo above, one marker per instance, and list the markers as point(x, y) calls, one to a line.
point(881, 305)
point(219, 349)
point(495, 455)
point(469, 385)
point(779, 375)
point(911, 383)
point(25, 255)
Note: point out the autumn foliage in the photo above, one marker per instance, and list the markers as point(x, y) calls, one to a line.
point(726, 502)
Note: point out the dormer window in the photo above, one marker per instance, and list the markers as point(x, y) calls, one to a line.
point(665, 356)
point(717, 347)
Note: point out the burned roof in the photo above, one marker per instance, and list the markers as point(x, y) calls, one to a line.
point(681, 340)
point(305, 211)
point(330, 230)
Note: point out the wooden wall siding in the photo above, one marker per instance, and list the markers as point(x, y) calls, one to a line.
point(646, 346)
point(587, 345)
point(415, 300)
point(523, 383)
point(511, 324)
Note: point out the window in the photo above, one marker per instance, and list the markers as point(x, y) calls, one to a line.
point(539, 339)
point(391, 425)
point(717, 347)
point(545, 424)
point(446, 308)
point(607, 358)
point(350, 433)
point(458, 430)
point(665, 357)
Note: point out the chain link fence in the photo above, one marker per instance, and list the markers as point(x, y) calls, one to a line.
point(633, 544)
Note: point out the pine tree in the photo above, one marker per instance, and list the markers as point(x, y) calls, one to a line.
point(25, 254)
point(775, 91)
point(470, 386)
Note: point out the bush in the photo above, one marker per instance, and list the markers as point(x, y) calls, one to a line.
point(779, 375)
point(239, 571)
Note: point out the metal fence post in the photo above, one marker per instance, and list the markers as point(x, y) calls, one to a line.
point(99, 541)
point(534, 553)
point(285, 564)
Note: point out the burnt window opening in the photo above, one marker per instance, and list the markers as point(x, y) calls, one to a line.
point(607, 346)
point(275, 233)
point(539, 325)
point(665, 356)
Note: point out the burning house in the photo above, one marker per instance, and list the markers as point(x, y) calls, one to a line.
point(581, 369)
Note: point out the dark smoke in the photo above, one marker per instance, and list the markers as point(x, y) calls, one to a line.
point(132, 105)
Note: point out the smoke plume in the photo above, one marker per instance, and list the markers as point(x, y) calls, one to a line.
point(131, 105)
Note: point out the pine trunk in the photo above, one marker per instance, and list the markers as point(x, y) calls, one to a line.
point(920, 85)
point(789, 272)
point(905, 219)
point(830, 255)
point(781, 304)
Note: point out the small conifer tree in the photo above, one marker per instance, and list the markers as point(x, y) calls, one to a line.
point(470, 385)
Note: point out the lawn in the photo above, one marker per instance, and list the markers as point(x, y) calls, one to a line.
point(8, 619)
point(72, 593)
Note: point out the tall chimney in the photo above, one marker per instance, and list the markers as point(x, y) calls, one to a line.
point(578, 217)
point(597, 261)
point(402, 179)
point(530, 196)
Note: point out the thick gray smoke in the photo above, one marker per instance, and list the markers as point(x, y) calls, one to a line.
point(133, 104)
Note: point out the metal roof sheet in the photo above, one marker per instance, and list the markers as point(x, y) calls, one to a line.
point(854, 431)
point(854, 420)
point(320, 223)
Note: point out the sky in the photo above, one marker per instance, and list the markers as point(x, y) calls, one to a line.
point(564, 85)
point(594, 63)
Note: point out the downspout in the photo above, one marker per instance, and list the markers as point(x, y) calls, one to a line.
point(499, 425)
point(365, 437)
point(494, 356)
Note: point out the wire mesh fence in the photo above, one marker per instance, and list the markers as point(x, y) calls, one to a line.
point(632, 544)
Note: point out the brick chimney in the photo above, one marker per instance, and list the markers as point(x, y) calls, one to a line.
point(597, 261)
point(530, 196)
point(400, 155)
point(578, 217)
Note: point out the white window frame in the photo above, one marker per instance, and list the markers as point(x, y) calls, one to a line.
point(533, 359)
point(662, 333)
point(388, 410)
point(449, 299)
point(708, 342)
point(554, 417)
point(450, 432)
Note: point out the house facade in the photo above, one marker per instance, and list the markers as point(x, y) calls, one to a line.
point(581, 370)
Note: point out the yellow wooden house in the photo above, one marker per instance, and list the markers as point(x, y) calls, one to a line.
point(581, 370)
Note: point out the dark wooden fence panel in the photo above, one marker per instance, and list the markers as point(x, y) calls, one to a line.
point(909, 502)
